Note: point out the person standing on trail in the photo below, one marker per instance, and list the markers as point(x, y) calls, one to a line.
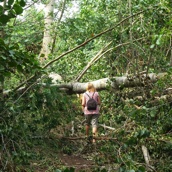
point(91, 114)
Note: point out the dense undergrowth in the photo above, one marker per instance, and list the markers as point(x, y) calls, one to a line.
point(40, 125)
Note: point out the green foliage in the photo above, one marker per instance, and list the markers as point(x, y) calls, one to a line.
point(26, 31)
point(33, 115)
point(11, 10)
point(15, 61)
point(35, 111)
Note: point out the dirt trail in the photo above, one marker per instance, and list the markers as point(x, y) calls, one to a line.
point(77, 162)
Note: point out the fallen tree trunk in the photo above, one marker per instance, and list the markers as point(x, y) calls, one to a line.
point(114, 83)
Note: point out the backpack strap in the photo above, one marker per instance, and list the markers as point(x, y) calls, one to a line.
point(89, 96)
point(93, 95)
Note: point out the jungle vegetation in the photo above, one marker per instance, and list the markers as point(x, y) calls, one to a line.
point(123, 46)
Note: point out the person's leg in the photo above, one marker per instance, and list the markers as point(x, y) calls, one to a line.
point(94, 130)
point(87, 124)
point(87, 128)
point(94, 133)
point(95, 126)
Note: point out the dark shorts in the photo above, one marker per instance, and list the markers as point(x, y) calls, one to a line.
point(92, 119)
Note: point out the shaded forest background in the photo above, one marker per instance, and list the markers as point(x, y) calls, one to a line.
point(78, 41)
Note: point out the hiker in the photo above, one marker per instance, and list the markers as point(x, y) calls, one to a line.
point(91, 116)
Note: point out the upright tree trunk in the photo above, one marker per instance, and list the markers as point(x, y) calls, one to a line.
point(47, 39)
point(56, 32)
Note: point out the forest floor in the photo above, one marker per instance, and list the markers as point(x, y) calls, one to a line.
point(68, 156)
point(62, 152)
point(77, 162)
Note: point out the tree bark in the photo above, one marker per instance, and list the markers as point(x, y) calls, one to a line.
point(147, 158)
point(47, 39)
point(114, 83)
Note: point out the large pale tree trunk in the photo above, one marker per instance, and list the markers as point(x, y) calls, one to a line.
point(113, 83)
point(48, 21)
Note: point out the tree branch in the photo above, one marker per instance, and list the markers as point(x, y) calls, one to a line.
point(94, 59)
point(87, 41)
point(104, 83)
point(61, 15)
point(147, 158)
point(79, 46)
point(100, 54)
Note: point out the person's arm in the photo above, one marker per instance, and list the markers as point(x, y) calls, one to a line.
point(83, 102)
point(98, 100)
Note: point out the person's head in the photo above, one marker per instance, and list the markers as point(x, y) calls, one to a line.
point(90, 87)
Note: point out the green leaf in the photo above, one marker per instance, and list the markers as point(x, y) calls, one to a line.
point(4, 19)
point(11, 53)
point(22, 3)
point(141, 132)
point(1, 41)
point(7, 74)
point(3, 57)
point(1, 78)
point(12, 14)
point(1, 9)
point(158, 42)
point(7, 7)
point(18, 9)
point(71, 169)
point(57, 170)
point(153, 113)
point(10, 2)
point(12, 63)
point(19, 68)
point(141, 169)
point(152, 46)
point(1, 68)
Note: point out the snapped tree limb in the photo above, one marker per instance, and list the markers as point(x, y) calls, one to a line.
point(147, 158)
point(114, 83)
